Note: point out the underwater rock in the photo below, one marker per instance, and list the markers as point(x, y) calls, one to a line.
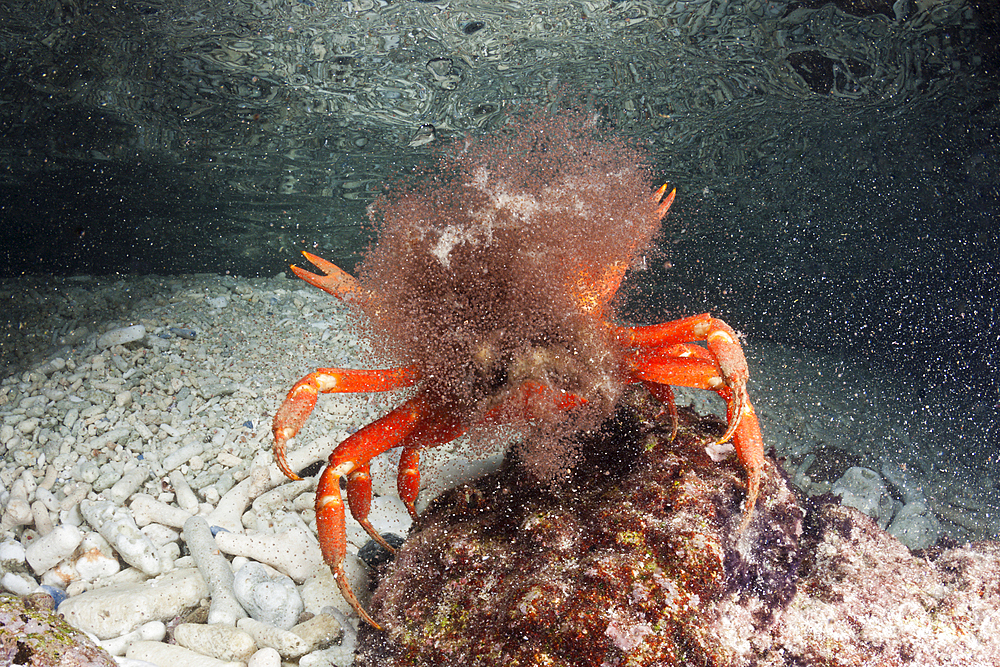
point(637, 561)
point(915, 526)
point(633, 561)
point(121, 336)
point(864, 599)
point(34, 634)
point(112, 611)
point(863, 489)
point(269, 599)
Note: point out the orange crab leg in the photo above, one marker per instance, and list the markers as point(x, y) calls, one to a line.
point(301, 400)
point(749, 446)
point(359, 499)
point(665, 395)
point(437, 429)
point(665, 356)
point(337, 282)
point(351, 458)
point(744, 429)
point(408, 478)
point(523, 404)
point(698, 373)
point(664, 201)
point(719, 336)
point(520, 405)
point(684, 330)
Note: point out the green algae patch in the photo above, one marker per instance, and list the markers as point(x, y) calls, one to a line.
point(34, 635)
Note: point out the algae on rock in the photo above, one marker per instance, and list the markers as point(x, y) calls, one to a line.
point(34, 635)
point(636, 561)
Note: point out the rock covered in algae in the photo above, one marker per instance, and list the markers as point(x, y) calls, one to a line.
point(628, 563)
point(864, 599)
point(636, 562)
point(34, 635)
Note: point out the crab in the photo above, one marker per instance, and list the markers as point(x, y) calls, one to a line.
point(581, 357)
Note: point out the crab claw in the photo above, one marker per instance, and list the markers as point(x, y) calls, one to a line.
point(664, 201)
point(337, 282)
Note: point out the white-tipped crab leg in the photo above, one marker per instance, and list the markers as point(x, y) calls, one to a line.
point(663, 354)
point(301, 400)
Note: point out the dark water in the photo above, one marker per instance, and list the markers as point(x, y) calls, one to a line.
point(837, 164)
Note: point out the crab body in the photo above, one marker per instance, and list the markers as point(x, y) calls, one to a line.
point(494, 284)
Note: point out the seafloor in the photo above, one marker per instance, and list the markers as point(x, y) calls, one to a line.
point(108, 452)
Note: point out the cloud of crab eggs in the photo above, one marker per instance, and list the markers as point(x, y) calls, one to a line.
point(487, 272)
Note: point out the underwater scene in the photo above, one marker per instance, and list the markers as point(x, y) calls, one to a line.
point(570, 333)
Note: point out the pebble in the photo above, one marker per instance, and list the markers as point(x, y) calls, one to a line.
point(228, 512)
point(96, 558)
point(339, 655)
point(272, 600)
point(225, 608)
point(18, 583)
point(183, 455)
point(118, 527)
point(121, 336)
point(184, 496)
point(128, 485)
point(18, 510)
point(113, 611)
point(266, 657)
point(28, 426)
point(41, 519)
point(288, 644)
point(915, 526)
point(294, 552)
point(132, 662)
point(123, 399)
point(46, 552)
point(863, 489)
point(152, 631)
point(320, 592)
point(218, 641)
point(171, 655)
point(319, 632)
point(147, 510)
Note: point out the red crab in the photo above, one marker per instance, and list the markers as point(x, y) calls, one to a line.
point(495, 281)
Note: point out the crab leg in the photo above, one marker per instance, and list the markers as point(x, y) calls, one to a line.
point(665, 395)
point(665, 356)
point(524, 403)
point(722, 343)
point(664, 367)
point(664, 200)
point(337, 282)
point(749, 446)
point(408, 478)
point(351, 458)
point(520, 405)
point(437, 429)
point(359, 499)
point(301, 400)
